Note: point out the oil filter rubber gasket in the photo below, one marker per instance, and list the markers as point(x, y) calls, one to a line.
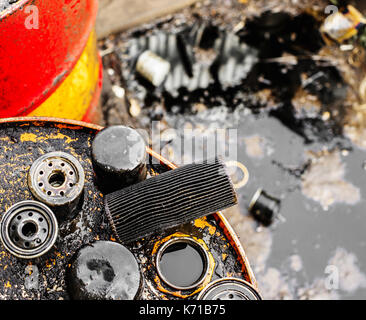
point(229, 289)
point(200, 250)
point(57, 179)
point(28, 229)
point(170, 199)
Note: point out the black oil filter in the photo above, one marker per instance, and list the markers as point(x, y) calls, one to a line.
point(170, 199)
point(118, 154)
point(104, 270)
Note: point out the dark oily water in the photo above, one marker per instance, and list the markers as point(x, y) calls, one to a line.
point(290, 110)
point(182, 265)
point(313, 233)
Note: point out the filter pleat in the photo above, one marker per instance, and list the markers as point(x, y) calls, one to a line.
point(169, 199)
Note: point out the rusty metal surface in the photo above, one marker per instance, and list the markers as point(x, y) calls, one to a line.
point(22, 142)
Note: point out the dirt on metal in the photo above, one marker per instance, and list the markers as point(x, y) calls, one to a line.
point(21, 143)
point(299, 109)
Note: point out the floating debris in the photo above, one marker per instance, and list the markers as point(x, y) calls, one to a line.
point(342, 26)
point(324, 180)
point(351, 278)
point(188, 53)
point(355, 129)
point(233, 167)
point(296, 263)
point(152, 67)
point(118, 91)
point(317, 291)
point(274, 286)
point(264, 207)
point(255, 146)
point(135, 108)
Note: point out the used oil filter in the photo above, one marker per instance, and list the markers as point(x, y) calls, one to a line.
point(229, 289)
point(104, 270)
point(118, 154)
point(170, 199)
point(57, 179)
point(28, 229)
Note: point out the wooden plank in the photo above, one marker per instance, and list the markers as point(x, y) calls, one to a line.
point(118, 15)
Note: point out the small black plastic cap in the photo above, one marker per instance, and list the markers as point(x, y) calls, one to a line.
point(264, 208)
point(119, 155)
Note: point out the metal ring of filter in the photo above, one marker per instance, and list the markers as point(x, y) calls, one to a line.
point(57, 179)
point(196, 245)
point(243, 169)
point(229, 289)
point(28, 229)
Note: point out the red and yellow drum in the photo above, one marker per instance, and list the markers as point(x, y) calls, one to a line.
point(50, 67)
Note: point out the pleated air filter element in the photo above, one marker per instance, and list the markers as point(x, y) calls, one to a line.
point(170, 199)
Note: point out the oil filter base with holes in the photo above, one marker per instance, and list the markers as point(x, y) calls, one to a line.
point(229, 289)
point(57, 179)
point(28, 229)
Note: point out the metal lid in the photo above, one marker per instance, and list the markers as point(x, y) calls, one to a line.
point(104, 270)
point(57, 179)
point(229, 289)
point(28, 229)
point(118, 154)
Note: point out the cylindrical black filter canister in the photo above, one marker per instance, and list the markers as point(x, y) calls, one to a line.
point(104, 270)
point(264, 207)
point(170, 199)
point(118, 155)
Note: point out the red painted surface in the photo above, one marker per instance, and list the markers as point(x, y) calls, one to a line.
point(33, 62)
point(94, 113)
